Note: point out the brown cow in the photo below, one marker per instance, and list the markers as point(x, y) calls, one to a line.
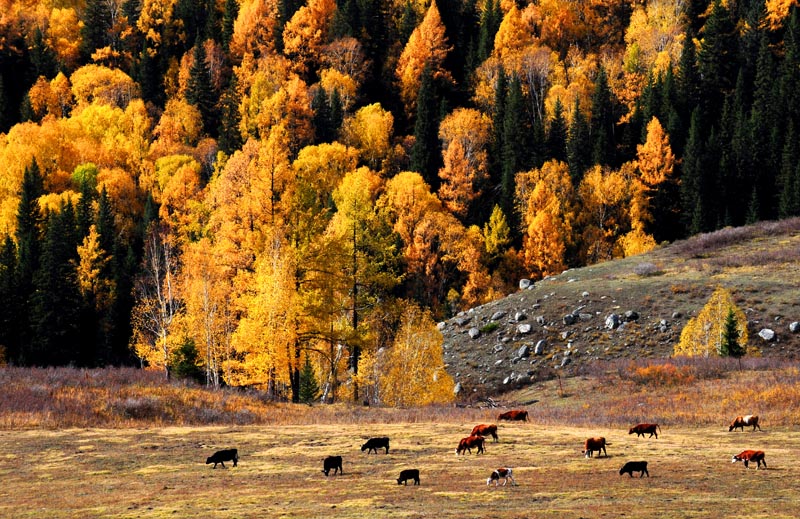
point(466, 444)
point(485, 430)
point(513, 416)
point(742, 421)
point(644, 428)
point(748, 456)
point(594, 444)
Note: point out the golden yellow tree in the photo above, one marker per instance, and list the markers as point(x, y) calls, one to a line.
point(412, 370)
point(306, 33)
point(703, 334)
point(465, 135)
point(655, 158)
point(548, 201)
point(370, 130)
point(254, 29)
point(427, 46)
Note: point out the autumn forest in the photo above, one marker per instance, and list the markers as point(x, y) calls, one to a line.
point(289, 195)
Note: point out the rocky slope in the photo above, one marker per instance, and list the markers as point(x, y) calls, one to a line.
point(630, 308)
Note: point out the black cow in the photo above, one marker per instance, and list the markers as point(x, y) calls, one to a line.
point(373, 444)
point(407, 474)
point(332, 463)
point(635, 466)
point(223, 456)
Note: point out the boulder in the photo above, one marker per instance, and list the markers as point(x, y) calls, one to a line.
point(441, 325)
point(524, 328)
point(458, 389)
point(525, 284)
point(539, 348)
point(630, 315)
point(794, 327)
point(570, 319)
point(474, 333)
point(540, 320)
point(520, 316)
point(612, 322)
point(585, 316)
point(565, 361)
point(498, 315)
point(524, 351)
point(767, 334)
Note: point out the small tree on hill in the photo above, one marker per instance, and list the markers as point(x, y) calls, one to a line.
point(729, 345)
point(705, 334)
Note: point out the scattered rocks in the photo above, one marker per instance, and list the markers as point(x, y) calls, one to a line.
point(794, 327)
point(461, 320)
point(767, 334)
point(631, 315)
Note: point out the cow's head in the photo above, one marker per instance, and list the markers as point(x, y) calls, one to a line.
point(735, 458)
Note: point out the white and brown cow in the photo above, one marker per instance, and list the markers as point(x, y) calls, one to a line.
point(504, 473)
point(594, 444)
point(742, 421)
point(748, 456)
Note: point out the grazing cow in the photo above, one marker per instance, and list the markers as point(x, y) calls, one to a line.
point(485, 430)
point(373, 444)
point(502, 472)
point(223, 456)
point(644, 428)
point(513, 416)
point(635, 466)
point(594, 444)
point(466, 444)
point(332, 463)
point(407, 474)
point(748, 456)
point(742, 421)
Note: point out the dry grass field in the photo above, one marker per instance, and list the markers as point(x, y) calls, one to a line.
point(160, 473)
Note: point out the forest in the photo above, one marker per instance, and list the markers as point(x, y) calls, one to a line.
point(290, 195)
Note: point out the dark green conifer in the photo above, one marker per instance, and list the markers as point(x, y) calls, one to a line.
point(557, 134)
point(199, 90)
point(601, 124)
point(425, 153)
point(578, 145)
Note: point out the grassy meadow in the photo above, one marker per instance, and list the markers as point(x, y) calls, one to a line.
point(125, 444)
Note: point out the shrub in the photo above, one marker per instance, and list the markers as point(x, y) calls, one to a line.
point(489, 327)
point(647, 269)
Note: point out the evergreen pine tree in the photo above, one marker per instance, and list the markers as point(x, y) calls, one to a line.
point(199, 91)
point(43, 59)
point(322, 116)
point(688, 78)
point(56, 305)
point(336, 112)
point(789, 181)
point(557, 134)
point(10, 307)
point(715, 60)
point(498, 116)
point(408, 22)
point(491, 17)
point(691, 178)
point(729, 345)
point(309, 388)
point(514, 133)
point(578, 148)
point(764, 145)
point(425, 151)
point(601, 124)
point(4, 116)
point(229, 15)
point(96, 27)
point(230, 137)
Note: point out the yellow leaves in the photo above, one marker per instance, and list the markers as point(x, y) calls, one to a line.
point(64, 35)
point(180, 125)
point(92, 261)
point(370, 130)
point(702, 335)
point(254, 28)
point(778, 11)
point(178, 178)
point(464, 134)
point(426, 46)
point(332, 79)
point(548, 200)
point(307, 31)
point(655, 158)
point(513, 35)
point(413, 368)
point(92, 83)
point(155, 17)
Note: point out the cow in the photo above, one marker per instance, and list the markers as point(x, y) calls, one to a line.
point(485, 430)
point(373, 444)
point(503, 472)
point(407, 474)
point(748, 456)
point(594, 444)
point(742, 421)
point(513, 416)
point(332, 463)
point(466, 444)
point(222, 456)
point(635, 466)
point(644, 428)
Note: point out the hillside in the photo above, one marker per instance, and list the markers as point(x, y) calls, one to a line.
point(566, 315)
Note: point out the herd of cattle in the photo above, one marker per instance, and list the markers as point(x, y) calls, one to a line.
point(478, 436)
